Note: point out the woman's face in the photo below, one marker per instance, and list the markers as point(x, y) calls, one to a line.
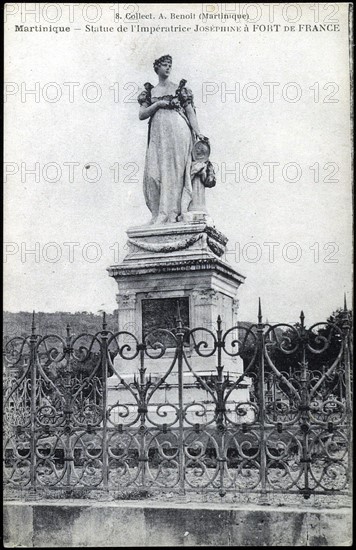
point(164, 69)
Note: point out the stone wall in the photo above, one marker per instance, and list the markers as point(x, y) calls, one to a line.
point(82, 523)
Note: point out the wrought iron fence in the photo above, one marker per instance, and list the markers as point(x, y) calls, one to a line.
point(109, 412)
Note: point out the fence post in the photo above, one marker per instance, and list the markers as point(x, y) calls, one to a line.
point(68, 451)
point(104, 367)
point(220, 408)
point(143, 409)
point(346, 326)
point(180, 336)
point(304, 407)
point(33, 340)
point(262, 404)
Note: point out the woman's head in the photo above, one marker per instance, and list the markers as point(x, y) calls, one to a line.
point(164, 62)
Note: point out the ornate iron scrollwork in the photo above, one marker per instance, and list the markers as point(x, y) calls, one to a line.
point(290, 433)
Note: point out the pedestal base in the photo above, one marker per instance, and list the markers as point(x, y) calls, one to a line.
point(197, 216)
point(171, 267)
point(173, 241)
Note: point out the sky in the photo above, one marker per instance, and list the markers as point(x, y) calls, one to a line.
point(275, 105)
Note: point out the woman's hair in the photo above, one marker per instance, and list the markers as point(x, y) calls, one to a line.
point(161, 60)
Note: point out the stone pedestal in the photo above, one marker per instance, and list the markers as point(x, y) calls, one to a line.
point(177, 263)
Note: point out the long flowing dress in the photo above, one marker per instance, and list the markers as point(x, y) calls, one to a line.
point(167, 183)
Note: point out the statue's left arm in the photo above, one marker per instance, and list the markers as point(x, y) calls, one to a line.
point(186, 97)
point(192, 117)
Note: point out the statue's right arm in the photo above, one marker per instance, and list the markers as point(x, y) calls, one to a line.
point(149, 110)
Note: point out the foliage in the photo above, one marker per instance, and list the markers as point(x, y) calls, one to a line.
point(19, 324)
point(288, 338)
point(322, 334)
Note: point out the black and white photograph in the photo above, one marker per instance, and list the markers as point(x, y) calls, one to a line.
point(177, 342)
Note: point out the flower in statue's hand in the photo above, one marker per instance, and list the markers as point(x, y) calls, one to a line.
point(174, 103)
point(164, 104)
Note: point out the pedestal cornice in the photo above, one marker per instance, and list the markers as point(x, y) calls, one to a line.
point(170, 265)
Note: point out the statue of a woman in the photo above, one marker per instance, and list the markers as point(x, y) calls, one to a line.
point(173, 129)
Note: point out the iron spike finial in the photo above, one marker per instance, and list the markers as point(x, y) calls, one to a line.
point(346, 316)
point(302, 317)
point(104, 320)
point(259, 311)
point(33, 326)
point(68, 330)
